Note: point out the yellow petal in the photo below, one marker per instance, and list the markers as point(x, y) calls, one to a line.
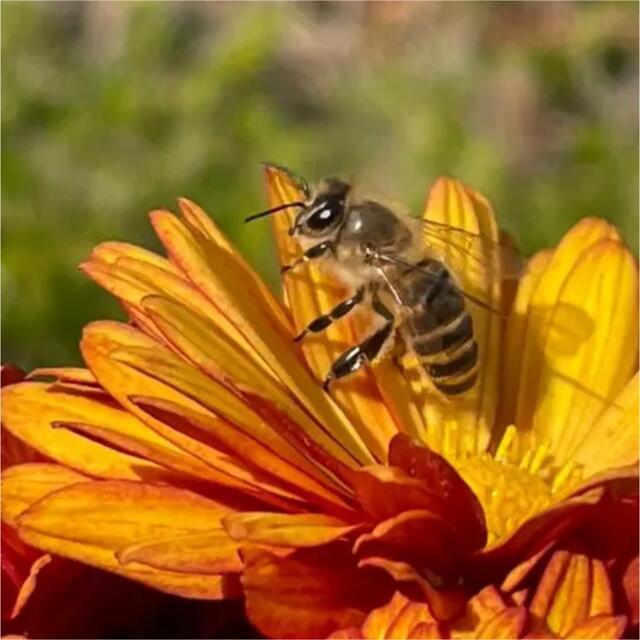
point(288, 530)
point(514, 341)
point(66, 374)
point(200, 221)
point(209, 268)
point(613, 439)
point(24, 484)
point(576, 386)
point(571, 601)
point(131, 277)
point(310, 291)
point(540, 313)
point(451, 202)
point(30, 409)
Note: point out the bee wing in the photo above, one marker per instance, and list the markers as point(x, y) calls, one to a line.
point(384, 258)
point(472, 253)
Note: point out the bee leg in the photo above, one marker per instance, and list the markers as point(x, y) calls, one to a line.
point(317, 251)
point(339, 311)
point(353, 359)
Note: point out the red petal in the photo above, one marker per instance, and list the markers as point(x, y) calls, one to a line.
point(456, 500)
point(419, 537)
point(311, 592)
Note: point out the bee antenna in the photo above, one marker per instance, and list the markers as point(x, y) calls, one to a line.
point(273, 210)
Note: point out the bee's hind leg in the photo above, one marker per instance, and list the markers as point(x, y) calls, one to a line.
point(367, 351)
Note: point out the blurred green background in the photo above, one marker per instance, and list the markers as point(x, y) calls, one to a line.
point(110, 109)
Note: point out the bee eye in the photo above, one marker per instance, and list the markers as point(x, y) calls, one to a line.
point(324, 218)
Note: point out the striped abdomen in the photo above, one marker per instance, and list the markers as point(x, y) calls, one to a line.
point(440, 328)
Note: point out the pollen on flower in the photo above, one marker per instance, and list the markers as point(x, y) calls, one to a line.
point(514, 484)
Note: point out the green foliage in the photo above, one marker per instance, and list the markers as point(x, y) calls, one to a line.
point(113, 109)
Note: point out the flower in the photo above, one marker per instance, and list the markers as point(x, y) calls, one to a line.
point(53, 597)
point(199, 454)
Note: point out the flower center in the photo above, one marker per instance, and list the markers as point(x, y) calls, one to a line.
point(515, 483)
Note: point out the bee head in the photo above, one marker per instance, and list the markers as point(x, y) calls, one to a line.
point(324, 211)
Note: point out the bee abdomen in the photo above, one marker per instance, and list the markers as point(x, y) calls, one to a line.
point(442, 336)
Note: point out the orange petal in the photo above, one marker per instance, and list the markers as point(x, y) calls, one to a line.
point(309, 593)
point(24, 484)
point(209, 268)
point(396, 619)
point(115, 514)
point(21, 565)
point(602, 288)
point(602, 627)
point(351, 633)
point(31, 409)
point(188, 585)
point(312, 291)
point(289, 530)
point(425, 630)
point(451, 202)
point(66, 374)
point(132, 274)
point(379, 620)
point(570, 604)
point(128, 363)
point(138, 371)
point(92, 521)
point(415, 621)
point(29, 585)
point(522, 570)
point(166, 456)
point(486, 604)
point(631, 590)
point(572, 589)
point(199, 342)
point(211, 552)
point(507, 624)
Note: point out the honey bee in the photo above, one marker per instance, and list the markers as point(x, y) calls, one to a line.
point(388, 259)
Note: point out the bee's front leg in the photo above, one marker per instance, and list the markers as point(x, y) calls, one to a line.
point(339, 311)
point(317, 251)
